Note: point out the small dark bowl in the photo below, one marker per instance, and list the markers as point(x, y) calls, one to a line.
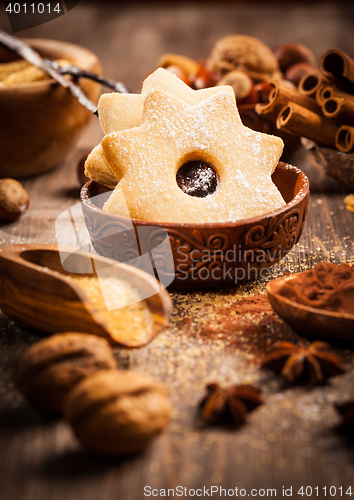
point(205, 255)
point(307, 320)
point(336, 164)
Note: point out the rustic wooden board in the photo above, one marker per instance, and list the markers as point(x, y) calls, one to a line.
point(289, 441)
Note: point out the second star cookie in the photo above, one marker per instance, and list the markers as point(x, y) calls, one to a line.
point(123, 111)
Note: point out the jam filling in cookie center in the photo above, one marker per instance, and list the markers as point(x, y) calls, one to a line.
point(197, 178)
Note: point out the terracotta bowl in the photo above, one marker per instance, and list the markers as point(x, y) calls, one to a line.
point(40, 121)
point(204, 255)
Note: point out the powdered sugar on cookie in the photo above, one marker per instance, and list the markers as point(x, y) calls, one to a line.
point(172, 133)
point(123, 111)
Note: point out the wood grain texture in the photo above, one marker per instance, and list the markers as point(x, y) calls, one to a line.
point(287, 442)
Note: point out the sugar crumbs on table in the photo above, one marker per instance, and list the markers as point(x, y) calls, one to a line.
point(248, 324)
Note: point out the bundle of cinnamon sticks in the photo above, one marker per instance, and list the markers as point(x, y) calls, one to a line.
point(322, 108)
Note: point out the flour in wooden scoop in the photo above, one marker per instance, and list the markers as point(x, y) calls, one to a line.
point(130, 324)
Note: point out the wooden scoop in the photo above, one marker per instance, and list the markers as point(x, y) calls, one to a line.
point(38, 292)
point(309, 320)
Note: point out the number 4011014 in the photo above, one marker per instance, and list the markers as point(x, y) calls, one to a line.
point(41, 8)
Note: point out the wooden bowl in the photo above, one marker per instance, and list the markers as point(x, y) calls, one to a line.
point(309, 320)
point(336, 164)
point(205, 255)
point(40, 121)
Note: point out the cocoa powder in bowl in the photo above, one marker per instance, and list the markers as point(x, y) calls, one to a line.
point(327, 286)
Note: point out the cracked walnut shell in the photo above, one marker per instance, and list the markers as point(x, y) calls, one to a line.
point(244, 53)
point(115, 413)
point(49, 369)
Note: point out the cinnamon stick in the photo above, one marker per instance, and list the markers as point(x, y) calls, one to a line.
point(345, 139)
point(339, 67)
point(340, 109)
point(311, 83)
point(305, 123)
point(280, 97)
point(329, 92)
point(323, 93)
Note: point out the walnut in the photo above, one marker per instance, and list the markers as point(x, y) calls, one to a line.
point(50, 368)
point(117, 412)
point(245, 53)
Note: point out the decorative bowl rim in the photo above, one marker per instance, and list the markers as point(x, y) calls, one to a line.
point(85, 196)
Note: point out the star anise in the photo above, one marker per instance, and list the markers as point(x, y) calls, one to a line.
point(347, 412)
point(298, 362)
point(229, 405)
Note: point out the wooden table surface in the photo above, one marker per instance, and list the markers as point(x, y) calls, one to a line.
point(290, 440)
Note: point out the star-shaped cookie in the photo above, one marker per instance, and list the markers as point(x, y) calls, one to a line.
point(172, 133)
point(122, 111)
point(96, 168)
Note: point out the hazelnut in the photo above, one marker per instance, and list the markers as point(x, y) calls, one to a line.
point(252, 98)
point(263, 90)
point(189, 66)
point(50, 368)
point(203, 79)
point(14, 200)
point(288, 54)
point(116, 412)
point(297, 71)
point(245, 53)
point(178, 71)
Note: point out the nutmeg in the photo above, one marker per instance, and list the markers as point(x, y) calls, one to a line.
point(116, 412)
point(288, 54)
point(49, 369)
point(244, 53)
point(14, 200)
point(240, 82)
point(297, 71)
